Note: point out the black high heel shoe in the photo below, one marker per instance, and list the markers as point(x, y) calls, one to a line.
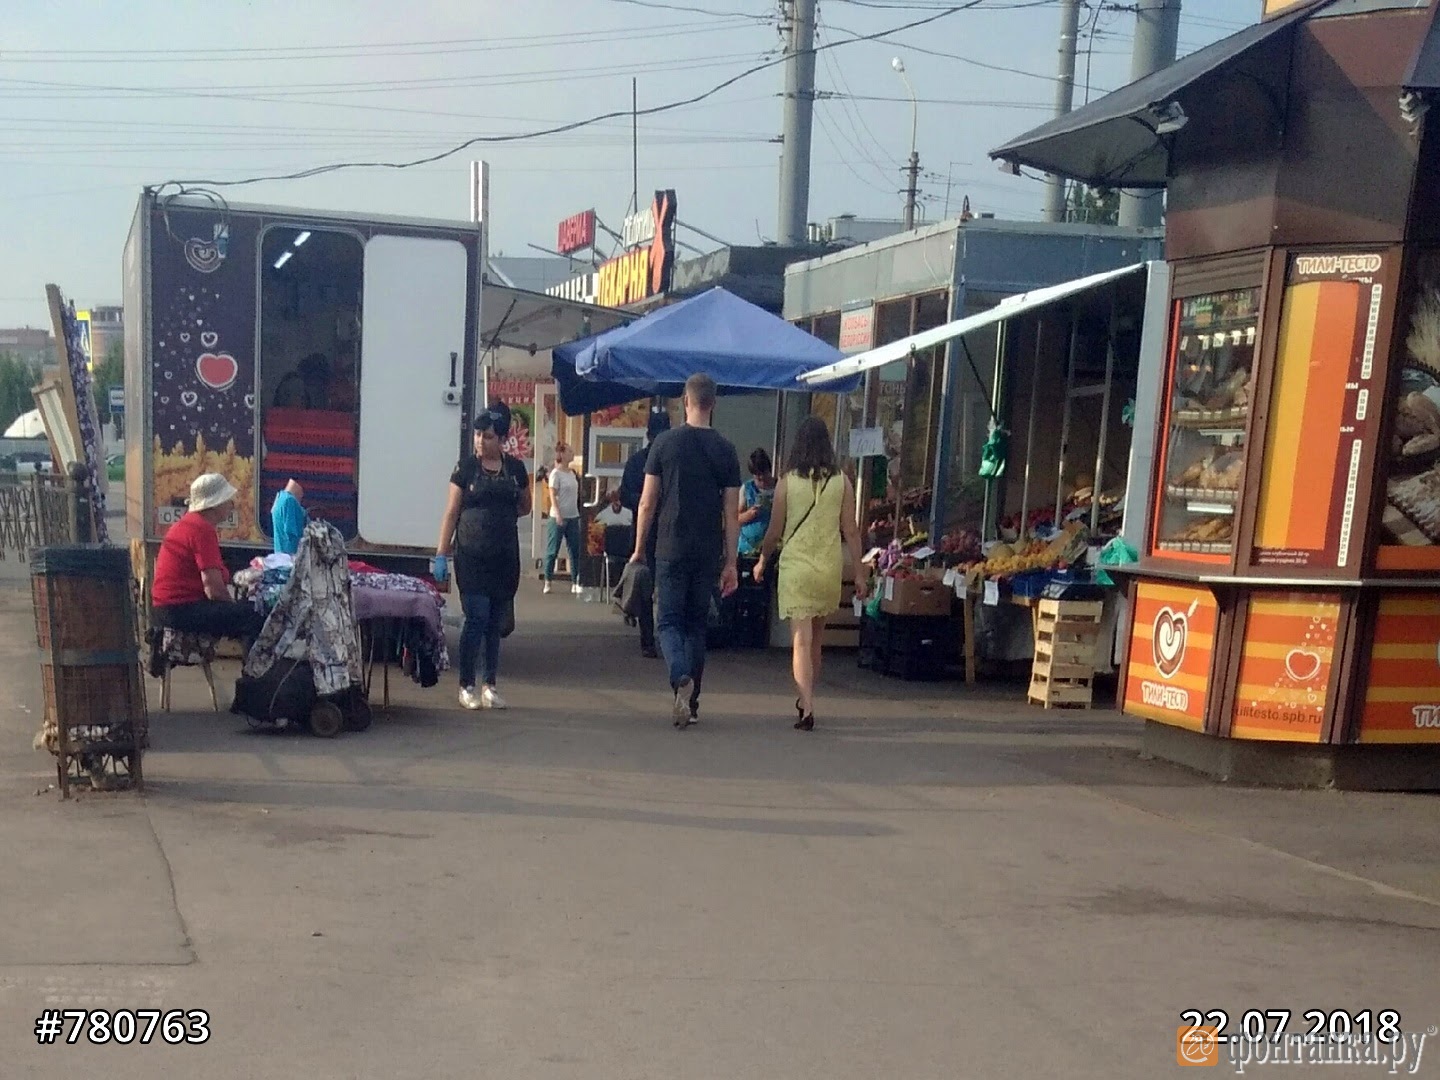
point(805, 723)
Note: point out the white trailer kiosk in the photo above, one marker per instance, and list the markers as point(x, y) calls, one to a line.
point(341, 349)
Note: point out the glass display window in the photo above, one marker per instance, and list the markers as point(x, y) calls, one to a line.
point(1410, 518)
point(310, 334)
point(1211, 388)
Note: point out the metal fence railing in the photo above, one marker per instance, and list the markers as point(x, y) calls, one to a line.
point(38, 510)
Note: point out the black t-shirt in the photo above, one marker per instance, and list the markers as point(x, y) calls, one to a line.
point(487, 537)
point(696, 466)
point(632, 486)
point(632, 481)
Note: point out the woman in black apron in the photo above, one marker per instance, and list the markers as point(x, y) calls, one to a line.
point(489, 494)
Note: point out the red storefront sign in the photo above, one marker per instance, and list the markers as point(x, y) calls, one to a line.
point(576, 232)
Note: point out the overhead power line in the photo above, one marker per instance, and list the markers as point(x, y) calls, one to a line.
point(436, 46)
point(575, 124)
point(697, 10)
point(32, 87)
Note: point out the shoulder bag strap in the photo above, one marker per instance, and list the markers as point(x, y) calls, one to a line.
point(806, 516)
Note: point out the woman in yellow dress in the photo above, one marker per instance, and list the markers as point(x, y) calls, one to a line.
point(814, 509)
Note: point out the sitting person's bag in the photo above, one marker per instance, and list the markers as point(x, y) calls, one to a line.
point(285, 692)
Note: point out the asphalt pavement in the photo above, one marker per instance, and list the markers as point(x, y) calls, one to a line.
point(938, 882)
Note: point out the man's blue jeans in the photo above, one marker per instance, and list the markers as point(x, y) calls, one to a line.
point(683, 589)
point(570, 533)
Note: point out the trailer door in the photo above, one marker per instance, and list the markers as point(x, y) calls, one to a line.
point(414, 323)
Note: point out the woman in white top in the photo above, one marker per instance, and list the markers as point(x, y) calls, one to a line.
point(564, 518)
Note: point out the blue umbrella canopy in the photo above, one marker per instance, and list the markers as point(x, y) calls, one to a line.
point(741, 346)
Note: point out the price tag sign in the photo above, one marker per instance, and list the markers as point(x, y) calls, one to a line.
point(950, 577)
point(867, 442)
point(992, 594)
point(889, 588)
point(922, 553)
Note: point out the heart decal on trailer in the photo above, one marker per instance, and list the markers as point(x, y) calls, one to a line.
point(217, 370)
point(203, 255)
point(209, 339)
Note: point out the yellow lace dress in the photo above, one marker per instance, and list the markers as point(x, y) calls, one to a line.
point(811, 559)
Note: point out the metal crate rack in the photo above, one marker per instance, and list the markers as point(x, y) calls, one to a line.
point(95, 721)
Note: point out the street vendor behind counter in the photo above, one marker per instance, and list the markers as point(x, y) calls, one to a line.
point(288, 517)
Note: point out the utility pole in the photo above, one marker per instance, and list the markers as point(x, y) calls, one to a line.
point(912, 192)
point(912, 170)
point(634, 145)
point(1157, 33)
point(1064, 98)
point(799, 109)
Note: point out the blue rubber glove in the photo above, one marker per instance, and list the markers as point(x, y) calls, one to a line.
point(440, 568)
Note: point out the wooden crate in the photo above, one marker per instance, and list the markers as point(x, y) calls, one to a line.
point(1066, 633)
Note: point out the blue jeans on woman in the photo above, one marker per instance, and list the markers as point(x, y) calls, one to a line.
point(480, 637)
point(570, 533)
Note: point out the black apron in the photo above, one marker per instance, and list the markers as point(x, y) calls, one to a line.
point(487, 538)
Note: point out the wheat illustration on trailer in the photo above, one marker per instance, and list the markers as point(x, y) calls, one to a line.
point(200, 396)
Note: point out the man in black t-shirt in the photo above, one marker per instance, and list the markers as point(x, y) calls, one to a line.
point(692, 501)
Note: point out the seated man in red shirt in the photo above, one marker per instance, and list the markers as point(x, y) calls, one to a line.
point(190, 589)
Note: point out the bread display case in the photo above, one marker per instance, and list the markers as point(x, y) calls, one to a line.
point(1410, 513)
point(1211, 386)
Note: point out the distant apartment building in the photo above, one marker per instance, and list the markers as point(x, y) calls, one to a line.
point(107, 330)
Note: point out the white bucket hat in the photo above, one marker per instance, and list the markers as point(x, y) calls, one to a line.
point(209, 491)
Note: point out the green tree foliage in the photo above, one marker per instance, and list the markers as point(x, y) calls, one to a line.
point(1092, 206)
point(17, 377)
point(107, 373)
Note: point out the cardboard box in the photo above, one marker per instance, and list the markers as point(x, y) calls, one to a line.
point(926, 595)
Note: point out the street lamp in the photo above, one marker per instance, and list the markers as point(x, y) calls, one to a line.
point(913, 170)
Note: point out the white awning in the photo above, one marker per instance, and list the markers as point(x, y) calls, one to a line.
point(1007, 309)
point(27, 426)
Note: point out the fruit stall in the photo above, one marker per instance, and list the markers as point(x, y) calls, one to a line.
point(1028, 509)
point(1284, 620)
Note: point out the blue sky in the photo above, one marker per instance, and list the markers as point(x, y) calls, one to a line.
point(98, 99)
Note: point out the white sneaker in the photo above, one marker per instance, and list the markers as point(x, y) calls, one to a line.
point(469, 699)
point(681, 708)
point(548, 590)
point(491, 699)
point(578, 590)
